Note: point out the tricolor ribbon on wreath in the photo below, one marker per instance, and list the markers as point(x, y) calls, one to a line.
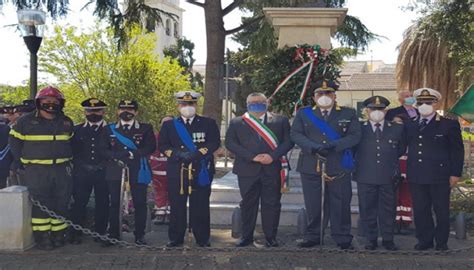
point(299, 56)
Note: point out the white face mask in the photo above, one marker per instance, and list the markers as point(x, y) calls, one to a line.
point(324, 101)
point(376, 116)
point(425, 109)
point(188, 111)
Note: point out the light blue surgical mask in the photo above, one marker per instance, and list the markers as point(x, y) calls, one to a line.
point(410, 101)
point(257, 107)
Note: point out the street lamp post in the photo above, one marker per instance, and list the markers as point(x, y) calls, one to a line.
point(31, 23)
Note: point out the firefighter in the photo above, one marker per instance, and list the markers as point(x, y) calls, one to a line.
point(40, 141)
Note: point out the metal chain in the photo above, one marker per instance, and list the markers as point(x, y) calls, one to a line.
point(282, 249)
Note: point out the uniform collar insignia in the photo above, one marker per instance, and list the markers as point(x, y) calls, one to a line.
point(337, 107)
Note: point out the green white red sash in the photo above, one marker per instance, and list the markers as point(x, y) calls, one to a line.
point(272, 141)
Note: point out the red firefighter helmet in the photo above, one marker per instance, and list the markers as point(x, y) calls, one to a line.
point(50, 91)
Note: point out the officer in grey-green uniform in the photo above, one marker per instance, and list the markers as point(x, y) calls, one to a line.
point(331, 131)
point(377, 169)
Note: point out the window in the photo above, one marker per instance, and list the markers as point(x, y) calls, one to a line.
point(168, 27)
point(150, 25)
point(176, 30)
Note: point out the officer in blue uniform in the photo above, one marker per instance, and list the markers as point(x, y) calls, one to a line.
point(434, 165)
point(189, 142)
point(89, 169)
point(131, 142)
point(377, 169)
point(331, 131)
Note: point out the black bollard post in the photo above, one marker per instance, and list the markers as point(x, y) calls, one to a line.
point(236, 223)
point(302, 222)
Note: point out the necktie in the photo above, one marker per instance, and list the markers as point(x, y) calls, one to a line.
point(423, 124)
point(378, 131)
point(188, 123)
point(325, 115)
point(94, 127)
point(126, 127)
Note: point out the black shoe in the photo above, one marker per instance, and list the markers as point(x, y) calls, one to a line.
point(204, 244)
point(45, 244)
point(422, 247)
point(58, 239)
point(389, 245)
point(271, 243)
point(346, 246)
point(140, 241)
point(174, 244)
point(244, 242)
point(442, 247)
point(75, 239)
point(372, 245)
point(307, 244)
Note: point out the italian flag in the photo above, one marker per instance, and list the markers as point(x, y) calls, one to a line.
point(272, 141)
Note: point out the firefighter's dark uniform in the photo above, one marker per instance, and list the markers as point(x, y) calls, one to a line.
point(143, 137)
point(89, 172)
point(205, 135)
point(43, 147)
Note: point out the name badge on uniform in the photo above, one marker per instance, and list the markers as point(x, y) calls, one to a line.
point(199, 137)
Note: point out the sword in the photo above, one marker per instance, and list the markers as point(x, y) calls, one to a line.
point(123, 188)
point(321, 167)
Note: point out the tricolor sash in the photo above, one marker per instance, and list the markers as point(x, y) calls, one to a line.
point(272, 141)
point(347, 161)
point(144, 174)
point(204, 179)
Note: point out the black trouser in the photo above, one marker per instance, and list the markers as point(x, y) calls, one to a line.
point(377, 210)
point(426, 199)
point(264, 189)
point(51, 185)
point(337, 200)
point(84, 182)
point(138, 192)
point(3, 182)
point(199, 213)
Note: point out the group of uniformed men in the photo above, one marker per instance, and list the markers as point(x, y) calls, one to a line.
point(60, 160)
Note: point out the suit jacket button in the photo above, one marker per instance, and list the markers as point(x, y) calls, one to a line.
point(125, 147)
point(420, 160)
point(378, 155)
point(378, 161)
point(377, 140)
point(378, 147)
point(93, 139)
point(420, 144)
point(419, 153)
point(324, 141)
point(420, 137)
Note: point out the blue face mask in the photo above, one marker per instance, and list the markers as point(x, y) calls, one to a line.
point(410, 101)
point(257, 107)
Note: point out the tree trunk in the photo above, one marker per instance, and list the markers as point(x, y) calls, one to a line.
point(215, 36)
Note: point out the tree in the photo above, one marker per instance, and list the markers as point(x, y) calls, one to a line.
point(91, 65)
point(438, 49)
point(182, 51)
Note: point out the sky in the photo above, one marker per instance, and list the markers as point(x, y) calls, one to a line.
point(383, 17)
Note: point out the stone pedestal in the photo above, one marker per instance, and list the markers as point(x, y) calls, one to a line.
point(15, 219)
point(305, 25)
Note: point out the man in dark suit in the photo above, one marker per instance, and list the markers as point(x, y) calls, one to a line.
point(260, 141)
point(435, 163)
point(189, 142)
point(376, 158)
point(337, 133)
point(406, 110)
point(131, 142)
point(89, 169)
